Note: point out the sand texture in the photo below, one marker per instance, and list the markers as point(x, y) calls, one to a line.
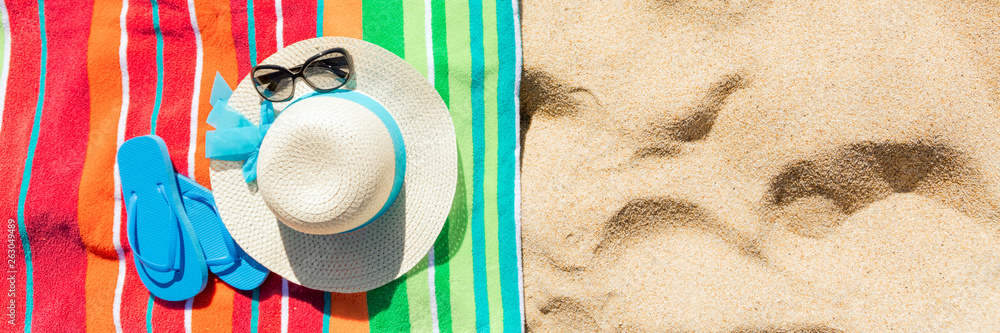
point(761, 166)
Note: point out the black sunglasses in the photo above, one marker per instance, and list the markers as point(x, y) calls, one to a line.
point(324, 72)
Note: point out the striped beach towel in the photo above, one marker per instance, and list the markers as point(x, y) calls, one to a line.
point(81, 77)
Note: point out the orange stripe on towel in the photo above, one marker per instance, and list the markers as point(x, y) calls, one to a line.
point(219, 56)
point(213, 308)
point(95, 205)
point(102, 274)
point(348, 312)
point(342, 18)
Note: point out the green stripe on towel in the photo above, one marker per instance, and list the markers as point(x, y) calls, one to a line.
point(442, 254)
point(490, 210)
point(388, 310)
point(382, 24)
point(415, 46)
point(418, 297)
point(463, 306)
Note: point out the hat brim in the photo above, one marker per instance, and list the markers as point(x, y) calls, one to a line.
point(391, 245)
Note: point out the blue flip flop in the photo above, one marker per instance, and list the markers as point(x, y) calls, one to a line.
point(224, 257)
point(167, 256)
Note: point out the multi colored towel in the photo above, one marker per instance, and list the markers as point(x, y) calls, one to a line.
point(81, 77)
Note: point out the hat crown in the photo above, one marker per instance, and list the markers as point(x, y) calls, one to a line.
point(326, 165)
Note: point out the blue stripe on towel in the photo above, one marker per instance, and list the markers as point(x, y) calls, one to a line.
point(149, 314)
point(251, 34)
point(159, 68)
point(29, 292)
point(254, 308)
point(506, 145)
point(319, 19)
point(478, 159)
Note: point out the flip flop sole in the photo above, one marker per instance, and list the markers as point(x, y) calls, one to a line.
point(158, 227)
point(240, 271)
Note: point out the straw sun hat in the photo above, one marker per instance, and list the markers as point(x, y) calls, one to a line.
point(329, 164)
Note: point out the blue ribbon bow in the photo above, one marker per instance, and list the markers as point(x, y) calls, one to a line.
point(235, 138)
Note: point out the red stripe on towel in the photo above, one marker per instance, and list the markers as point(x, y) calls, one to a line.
point(238, 15)
point(242, 316)
point(305, 309)
point(57, 254)
point(269, 312)
point(168, 317)
point(300, 20)
point(18, 115)
point(174, 120)
point(305, 306)
point(141, 59)
point(241, 310)
point(264, 24)
point(134, 294)
point(179, 53)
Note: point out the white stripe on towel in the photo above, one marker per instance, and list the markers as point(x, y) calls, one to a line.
point(279, 25)
point(429, 45)
point(195, 97)
point(116, 238)
point(187, 314)
point(284, 305)
point(517, 151)
point(6, 58)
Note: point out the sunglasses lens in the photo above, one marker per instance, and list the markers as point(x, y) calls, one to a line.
point(328, 72)
point(273, 84)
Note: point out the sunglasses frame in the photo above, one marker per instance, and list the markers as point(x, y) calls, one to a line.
point(296, 72)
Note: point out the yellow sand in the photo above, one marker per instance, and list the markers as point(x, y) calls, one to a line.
point(738, 166)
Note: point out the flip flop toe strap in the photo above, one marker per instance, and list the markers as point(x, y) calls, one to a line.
point(172, 236)
point(229, 257)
